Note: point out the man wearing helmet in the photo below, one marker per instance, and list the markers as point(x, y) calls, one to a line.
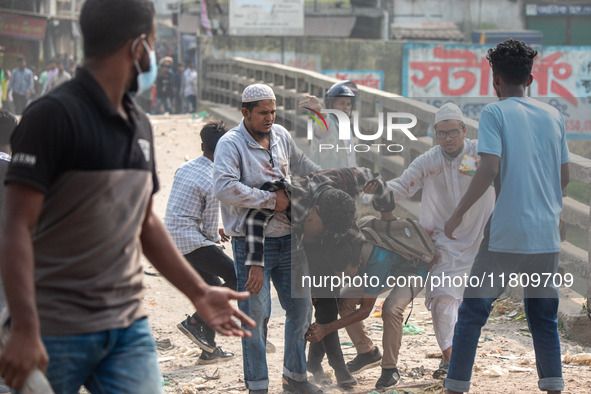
point(341, 96)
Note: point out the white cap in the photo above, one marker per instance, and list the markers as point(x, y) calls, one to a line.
point(448, 111)
point(257, 92)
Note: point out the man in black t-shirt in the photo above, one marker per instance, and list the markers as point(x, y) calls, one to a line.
point(164, 90)
point(79, 203)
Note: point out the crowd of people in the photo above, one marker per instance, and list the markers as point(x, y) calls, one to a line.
point(77, 215)
point(22, 84)
point(173, 92)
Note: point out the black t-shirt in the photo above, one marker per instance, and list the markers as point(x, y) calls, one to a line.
point(77, 128)
point(164, 86)
point(97, 173)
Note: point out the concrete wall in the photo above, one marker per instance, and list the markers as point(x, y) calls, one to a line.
point(339, 54)
point(467, 14)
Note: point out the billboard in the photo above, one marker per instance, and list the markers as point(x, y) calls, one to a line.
point(562, 78)
point(23, 27)
point(266, 17)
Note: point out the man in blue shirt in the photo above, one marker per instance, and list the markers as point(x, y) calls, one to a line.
point(21, 84)
point(522, 144)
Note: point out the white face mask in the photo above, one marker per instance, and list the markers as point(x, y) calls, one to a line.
point(146, 79)
point(366, 198)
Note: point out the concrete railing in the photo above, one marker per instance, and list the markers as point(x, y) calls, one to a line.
point(224, 80)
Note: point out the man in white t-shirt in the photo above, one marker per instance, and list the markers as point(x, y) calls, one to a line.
point(190, 90)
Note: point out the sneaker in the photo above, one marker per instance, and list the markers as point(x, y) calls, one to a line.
point(365, 361)
point(304, 387)
point(196, 333)
point(388, 378)
point(441, 372)
point(214, 357)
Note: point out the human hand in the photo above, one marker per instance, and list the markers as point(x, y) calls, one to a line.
point(214, 307)
point(254, 284)
point(225, 238)
point(388, 216)
point(451, 224)
point(371, 187)
point(22, 353)
point(311, 102)
point(281, 201)
point(316, 332)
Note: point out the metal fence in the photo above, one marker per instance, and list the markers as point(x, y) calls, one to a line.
point(224, 80)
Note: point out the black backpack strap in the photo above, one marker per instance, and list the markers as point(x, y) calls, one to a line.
point(412, 302)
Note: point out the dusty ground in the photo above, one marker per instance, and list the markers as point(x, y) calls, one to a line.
point(505, 346)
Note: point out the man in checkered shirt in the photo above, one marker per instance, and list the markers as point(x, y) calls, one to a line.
point(192, 219)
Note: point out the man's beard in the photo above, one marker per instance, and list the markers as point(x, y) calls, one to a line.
point(261, 134)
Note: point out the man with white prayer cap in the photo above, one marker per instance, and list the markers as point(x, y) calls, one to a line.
point(444, 173)
point(255, 152)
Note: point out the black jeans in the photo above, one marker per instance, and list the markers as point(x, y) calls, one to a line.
point(326, 310)
point(212, 264)
point(20, 102)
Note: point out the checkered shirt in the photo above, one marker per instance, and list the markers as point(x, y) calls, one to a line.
point(192, 213)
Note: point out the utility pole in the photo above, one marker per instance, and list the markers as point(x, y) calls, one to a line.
point(178, 31)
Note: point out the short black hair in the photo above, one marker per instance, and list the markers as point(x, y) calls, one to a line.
point(8, 123)
point(512, 60)
point(108, 24)
point(250, 106)
point(211, 134)
point(336, 208)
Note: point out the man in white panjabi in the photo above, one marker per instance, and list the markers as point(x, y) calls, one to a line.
point(437, 172)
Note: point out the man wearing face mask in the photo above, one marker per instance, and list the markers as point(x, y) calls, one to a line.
point(79, 203)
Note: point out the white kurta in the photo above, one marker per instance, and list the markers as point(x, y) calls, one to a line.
point(443, 187)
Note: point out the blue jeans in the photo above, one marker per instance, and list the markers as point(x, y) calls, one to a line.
point(114, 361)
point(298, 313)
point(541, 307)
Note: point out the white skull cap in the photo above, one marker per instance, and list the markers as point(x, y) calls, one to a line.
point(448, 111)
point(257, 92)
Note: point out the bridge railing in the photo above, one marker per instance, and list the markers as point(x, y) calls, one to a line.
point(225, 79)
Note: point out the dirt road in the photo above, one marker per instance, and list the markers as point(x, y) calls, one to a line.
point(505, 347)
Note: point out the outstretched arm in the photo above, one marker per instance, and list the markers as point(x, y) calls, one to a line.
point(411, 180)
point(485, 174)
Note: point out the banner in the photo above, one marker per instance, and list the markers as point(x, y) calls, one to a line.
point(17, 26)
point(562, 77)
point(205, 18)
point(266, 18)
